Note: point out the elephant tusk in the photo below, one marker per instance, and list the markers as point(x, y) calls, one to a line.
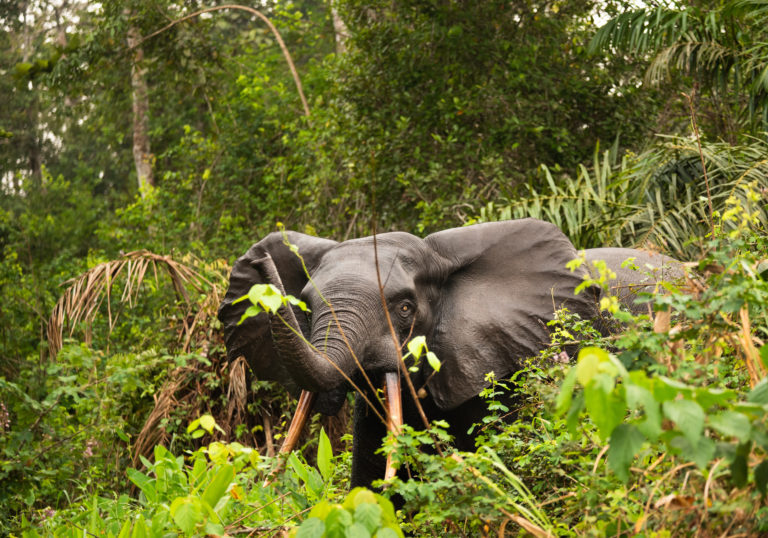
point(394, 413)
point(300, 417)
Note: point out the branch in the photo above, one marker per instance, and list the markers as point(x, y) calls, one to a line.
point(260, 15)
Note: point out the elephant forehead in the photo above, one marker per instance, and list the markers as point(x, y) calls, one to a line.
point(395, 252)
point(359, 275)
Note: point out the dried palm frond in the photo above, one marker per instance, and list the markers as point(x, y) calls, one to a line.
point(83, 298)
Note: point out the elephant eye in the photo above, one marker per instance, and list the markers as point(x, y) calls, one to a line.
point(406, 308)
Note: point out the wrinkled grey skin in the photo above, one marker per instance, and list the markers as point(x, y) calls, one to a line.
point(481, 295)
point(640, 275)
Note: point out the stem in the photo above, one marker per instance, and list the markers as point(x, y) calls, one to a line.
point(701, 156)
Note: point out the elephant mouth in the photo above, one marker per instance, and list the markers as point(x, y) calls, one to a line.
point(394, 417)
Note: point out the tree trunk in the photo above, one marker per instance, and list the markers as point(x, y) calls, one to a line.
point(142, 156)
point(340, 29)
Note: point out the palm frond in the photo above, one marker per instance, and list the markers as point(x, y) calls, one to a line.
point(82, 300)
point(656, 199)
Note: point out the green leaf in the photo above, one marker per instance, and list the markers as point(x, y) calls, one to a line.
point(688, 416)
point(604, 406)
point(761, 477)
point(433, 361)
point(707, 397)
point(759, 394)
point(298, 467)
point(321, 510)
point(565, 396)
point(144, 483)
point(338, 521)
point(187, 513)
point(732, 424)
point(271, 299)
point(764, 355)
point(416, 345)
point(641, 398)
point(312, 527)
point(626, 441)
point(324, 454)
point(700, 453)
point(739, 465)
point(588, 363)
point(387, 532)
point(207, 422)
point(369, 515)
point(357, 530)
point(140, 528)
point(125, 530)
point(572, 418)
point(296, 302)
point(250, 312)
point(218, 486)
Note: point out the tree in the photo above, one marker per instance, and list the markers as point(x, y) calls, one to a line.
point(718, 47)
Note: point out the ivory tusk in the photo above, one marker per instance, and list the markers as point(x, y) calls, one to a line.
point(394, 413)
point(299, 420)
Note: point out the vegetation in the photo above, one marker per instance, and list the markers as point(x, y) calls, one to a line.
point(141, 154)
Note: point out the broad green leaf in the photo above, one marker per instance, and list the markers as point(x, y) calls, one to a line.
point(207, 422)
point(321, 510)
point(218, 452)
point(732, 424)
point(588, 363)
point(641, 398)
point(387, 511)
point(688, 416)
point(139, 528)
point(324, 454)
point(761, 477)
point(759, 394)
point(626, 442)
point(358, 496)
point(700, 453)
point(217, 488)
point(665, 389)
point(125, 530)
point(416, 345)
point(144, 483)
point(357, 530)
point(565, 395)
point(193, 425)
point(337, 521)
point(572, 418)
point(298, 467)
point(187, 513)
point(296, 302)
point(708, 397)
point(369, 515)
point(604, 406)
point(388, 532)
point(764, 355)
point(433, 361)
point(271, 299)
point(739, 465)
point(312, 527)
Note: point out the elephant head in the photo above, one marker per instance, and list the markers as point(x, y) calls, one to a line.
point(481, 295)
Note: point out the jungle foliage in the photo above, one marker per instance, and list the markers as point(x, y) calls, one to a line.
point(623, 125)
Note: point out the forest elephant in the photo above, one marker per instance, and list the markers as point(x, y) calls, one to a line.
point(481, 295)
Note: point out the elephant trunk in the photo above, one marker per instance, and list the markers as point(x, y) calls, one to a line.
point(312, 370)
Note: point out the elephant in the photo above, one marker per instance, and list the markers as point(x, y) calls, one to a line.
point(481, 295)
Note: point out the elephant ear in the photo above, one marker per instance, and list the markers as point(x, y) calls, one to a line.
point(505, 280)
point(252, 338)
